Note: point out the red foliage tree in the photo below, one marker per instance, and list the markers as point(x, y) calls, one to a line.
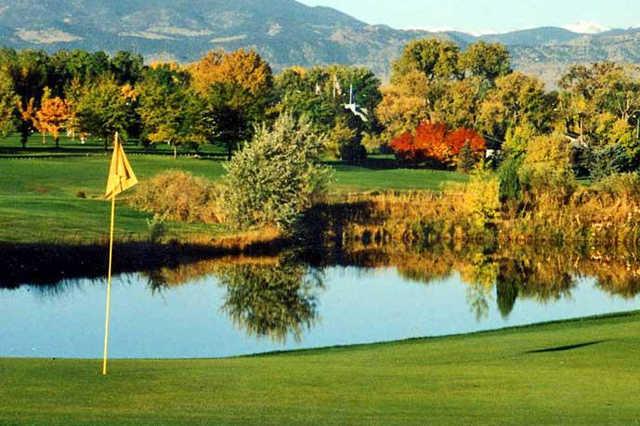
point(404, 148)
point(458, 138)
point(432, 142)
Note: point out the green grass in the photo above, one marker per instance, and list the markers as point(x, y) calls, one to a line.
point(39, 190)
point(39, 199)
point(579, 372)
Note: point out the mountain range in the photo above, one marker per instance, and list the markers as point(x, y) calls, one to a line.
point(285, 32)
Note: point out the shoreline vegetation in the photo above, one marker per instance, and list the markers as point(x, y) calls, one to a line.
point(563, 382)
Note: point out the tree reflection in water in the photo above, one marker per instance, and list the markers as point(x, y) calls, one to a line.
point(275, 301)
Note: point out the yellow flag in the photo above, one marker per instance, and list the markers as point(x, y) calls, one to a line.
point(121, 176)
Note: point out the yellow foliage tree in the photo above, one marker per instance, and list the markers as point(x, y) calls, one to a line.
point(404, 104)
point(243, 68)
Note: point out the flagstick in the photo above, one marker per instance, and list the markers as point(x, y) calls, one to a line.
point(106, 324)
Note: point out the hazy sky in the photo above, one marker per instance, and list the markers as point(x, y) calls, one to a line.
point(482, 16)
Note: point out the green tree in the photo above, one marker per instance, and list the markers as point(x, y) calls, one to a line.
point(436, 59)
point(486, 60)
point(273, 179)
point(517, 100)
point(169, 109)
point(8, 102)
point(104, 109)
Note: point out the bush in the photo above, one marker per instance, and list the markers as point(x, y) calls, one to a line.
point(277, 176)
point(546, 168)
point(178, 195)
point(510, 187)
point(620, 186)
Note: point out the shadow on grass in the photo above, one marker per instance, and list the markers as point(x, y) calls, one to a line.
point(567, 347)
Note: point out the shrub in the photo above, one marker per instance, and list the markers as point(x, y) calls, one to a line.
point(623, 185)
point(510, 187)
point(178, 195)
point(277, 176)
point(546, 168)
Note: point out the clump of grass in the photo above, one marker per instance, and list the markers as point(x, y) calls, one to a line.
point(178, 195)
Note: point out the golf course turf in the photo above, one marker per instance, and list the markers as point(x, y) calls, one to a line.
point(576, 372)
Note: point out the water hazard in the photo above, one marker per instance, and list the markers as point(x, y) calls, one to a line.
point(229, 307)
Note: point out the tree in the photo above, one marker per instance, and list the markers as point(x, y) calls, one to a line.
point(29, 70)
point(53, 115)
point(486, 60)
point(104, 109)
point(8, 102)
point(517, 100)
point(236, 88)
point(433, 143)
point(435, 59)
point(546, 166)
point(241, 67)
point(27, 120)
point(404, 104)
point(277, 176)
point(168, 108)
point(126, 67)
point(459, 102)
point(229, 121)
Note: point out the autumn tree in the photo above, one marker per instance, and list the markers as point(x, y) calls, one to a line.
point(600, 104)
point(404, 104)
point(434, 144)
point(236, 88)
point(53, 115)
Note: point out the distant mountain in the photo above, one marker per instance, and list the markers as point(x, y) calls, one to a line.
point(285, 32)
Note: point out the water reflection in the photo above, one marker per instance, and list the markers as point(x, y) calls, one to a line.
point(278, 299)
point(271, 301)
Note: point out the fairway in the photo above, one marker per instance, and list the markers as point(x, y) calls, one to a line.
point(52, 198)
point(548, 374)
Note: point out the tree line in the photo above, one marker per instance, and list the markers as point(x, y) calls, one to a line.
point(443, 106)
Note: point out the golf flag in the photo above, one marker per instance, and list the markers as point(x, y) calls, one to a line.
point(121, 176)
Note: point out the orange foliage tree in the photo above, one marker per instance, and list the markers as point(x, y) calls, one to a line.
point(434, 143)
point(53, 116)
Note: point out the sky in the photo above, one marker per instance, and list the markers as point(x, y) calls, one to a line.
point(491, 16)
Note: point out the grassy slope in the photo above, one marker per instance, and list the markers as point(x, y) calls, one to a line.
point(38, 197)
point(488, 378)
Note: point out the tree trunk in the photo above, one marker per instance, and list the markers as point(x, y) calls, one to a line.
point(24, 137)
point(57, 140)
point(175, 152)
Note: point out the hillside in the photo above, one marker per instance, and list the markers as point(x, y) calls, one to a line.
point(284, 31)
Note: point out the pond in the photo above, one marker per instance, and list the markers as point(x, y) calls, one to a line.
point(230, 307)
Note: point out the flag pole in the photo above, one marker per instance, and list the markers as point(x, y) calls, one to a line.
point(108, 304)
